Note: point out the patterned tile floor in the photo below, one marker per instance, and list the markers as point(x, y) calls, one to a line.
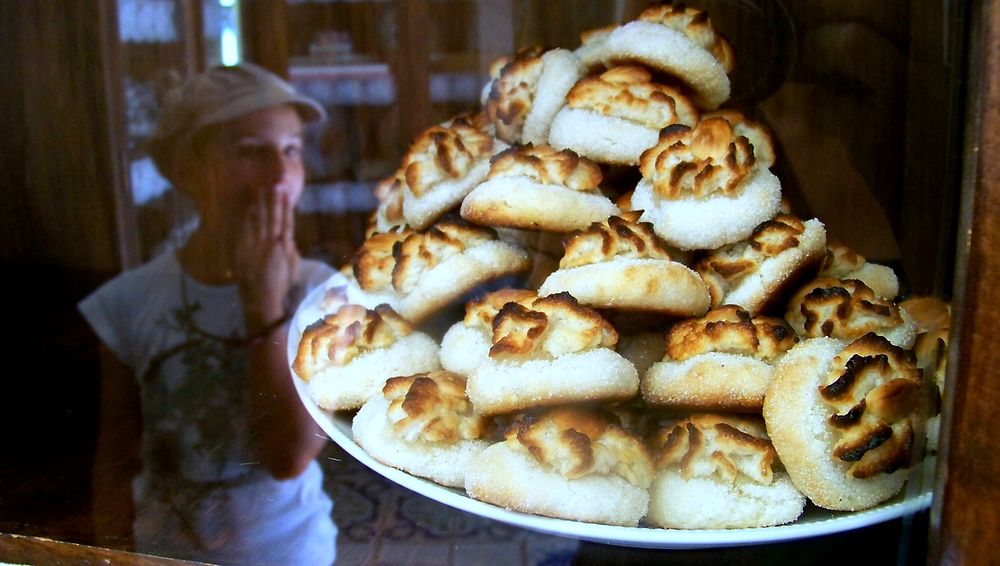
point(380, 522)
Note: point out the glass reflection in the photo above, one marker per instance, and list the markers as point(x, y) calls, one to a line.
point(197, 398)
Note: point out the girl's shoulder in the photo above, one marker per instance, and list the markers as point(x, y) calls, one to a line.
point(152, 276)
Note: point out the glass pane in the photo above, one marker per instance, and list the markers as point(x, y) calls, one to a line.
point(827, 81)
point(863, 106)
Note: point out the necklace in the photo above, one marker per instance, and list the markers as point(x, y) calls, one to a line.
point(186, 318)
point(294, 292)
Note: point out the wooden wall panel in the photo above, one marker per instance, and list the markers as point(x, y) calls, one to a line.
point(411, 69)
point(265, 34)
point(57, 181)
point(965, 520)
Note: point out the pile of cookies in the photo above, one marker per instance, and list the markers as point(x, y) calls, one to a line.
point(650, 336)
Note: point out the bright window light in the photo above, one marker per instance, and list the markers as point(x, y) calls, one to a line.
point(230, 47)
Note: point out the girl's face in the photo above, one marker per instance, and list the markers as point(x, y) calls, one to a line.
point(246, 159)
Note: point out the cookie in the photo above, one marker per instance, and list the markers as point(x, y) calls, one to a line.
point(549, 352)
point(528, 91)
point(845, 418)
point(718, 471)
point(847, 309)
point(422, 272)
point(345, 357)
point(613, 117)
point(567, 463)
point(423, 424)
point(680, 41)
point(703, 188)
point(442, 165)
point(720, 362)
point(622, 264)
point(757, 272)
point(539, 188)
point(842, 262)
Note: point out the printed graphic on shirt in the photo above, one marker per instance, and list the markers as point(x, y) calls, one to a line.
point(193, 406)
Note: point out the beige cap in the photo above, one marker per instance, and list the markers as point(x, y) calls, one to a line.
point(218, 95)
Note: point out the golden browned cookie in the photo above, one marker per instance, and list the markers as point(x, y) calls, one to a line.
point(845, 419)
point(717, 471)
point(345, 357)
point(755, 273)
point(841, 262)
point(466, 345)
point(527, 92)
point(847, 309)
point(545, 351)
point(539, 188)
point(615, 116)
point(421, 272)
point(443, 164)
point(720, 362)
point(423, 424)
point(622, 264)
point(568, 463)
point(703, 187)
point(678, 40)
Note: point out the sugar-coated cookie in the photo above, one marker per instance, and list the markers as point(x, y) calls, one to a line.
point(421, 272)
point(717, 471)
point(703, 188)
point(443, 164)
point(842, 262)
point(423, 424)
point(568, 463)
point(846, 418)
point(847, 309)
point(622, 264)
point(527, 92)
point(678, 40)
point(539, 188)
point(719, 362)
point(615, 116)
point(757, 272)
point(345, 357)
point(466, 345)
point(547, 351)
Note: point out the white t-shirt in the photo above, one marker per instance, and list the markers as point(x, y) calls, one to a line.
point(202, 493)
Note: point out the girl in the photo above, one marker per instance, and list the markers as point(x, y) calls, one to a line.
point(197, 399)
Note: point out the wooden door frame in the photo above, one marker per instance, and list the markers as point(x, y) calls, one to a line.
point(126, 220)
point(965, 516)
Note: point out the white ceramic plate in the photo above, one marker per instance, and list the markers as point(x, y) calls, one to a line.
point(814, 521)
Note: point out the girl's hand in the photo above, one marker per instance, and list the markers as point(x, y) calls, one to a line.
point(267, 259)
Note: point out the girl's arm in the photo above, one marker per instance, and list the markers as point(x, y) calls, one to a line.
point(286, 436)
